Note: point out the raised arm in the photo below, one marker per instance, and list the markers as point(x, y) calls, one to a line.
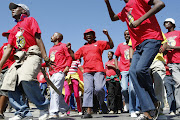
point(68, 45)
point(157, 6)
point(109, 38)
point(112, 15)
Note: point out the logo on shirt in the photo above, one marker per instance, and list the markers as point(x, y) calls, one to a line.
point(126, 54)
point(52, 56)
point(95, 45)
point(172, 41)
point(130, 17)
point(20, 40)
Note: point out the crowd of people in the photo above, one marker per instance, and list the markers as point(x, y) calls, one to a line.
point(146, 75)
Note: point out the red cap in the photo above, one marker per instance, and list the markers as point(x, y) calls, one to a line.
point(5, 34)
point(87, 31)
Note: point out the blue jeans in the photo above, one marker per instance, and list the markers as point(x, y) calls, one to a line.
point(124, 85)
point(169, 86)
point(141, 79)
point(33, 92)
point(132, 99)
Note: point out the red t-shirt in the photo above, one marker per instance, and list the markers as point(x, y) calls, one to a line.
point(22, 35)
point(60, 55)
point(92, 55)
point(10, 60)
point(148, 29)
point(123, 51)
point(110, 71)
point(173, 40)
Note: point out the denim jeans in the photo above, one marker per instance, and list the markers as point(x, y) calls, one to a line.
point(124, 85)
point(142, 82)
point(175, 71)
point(169, 86)
point(33, 93)
point(131, 97)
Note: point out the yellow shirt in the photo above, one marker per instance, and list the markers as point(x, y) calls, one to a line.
point(159, 56)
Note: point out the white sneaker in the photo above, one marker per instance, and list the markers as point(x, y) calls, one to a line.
point(137, 112)
point(64, 114)
point(44, 117)
point(133, 115)
point(80, 113)
point(126, 107)
point(53, 116)
point(17, 117)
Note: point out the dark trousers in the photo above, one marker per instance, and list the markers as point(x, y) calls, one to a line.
point(114, 95)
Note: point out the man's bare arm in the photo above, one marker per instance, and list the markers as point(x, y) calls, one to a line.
point(109, 38)
point(131, 52)
point(158, 5)
point(41, 45)
point(112, 15)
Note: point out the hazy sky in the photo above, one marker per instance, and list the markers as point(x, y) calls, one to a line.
point(73, 17)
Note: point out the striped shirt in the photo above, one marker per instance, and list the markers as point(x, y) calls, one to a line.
point(74, 67)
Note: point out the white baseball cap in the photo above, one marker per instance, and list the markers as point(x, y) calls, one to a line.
point(13, 5)
point(170, 20)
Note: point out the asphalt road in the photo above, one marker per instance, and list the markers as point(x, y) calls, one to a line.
point(75, 116)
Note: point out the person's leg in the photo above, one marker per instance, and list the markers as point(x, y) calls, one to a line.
point(88, 93)
point(169, 87)
point(75, 85)
point(124, 85)
point(158, 73)
point(33, 93)
point(175, 70)
point(72, 104)
point(43, 86)
point(99, 83)
point(16, 101)
point(132, 98)
point(3, 95)
point(3, 103)
point(142, 82)
point(118, 97)
point(67, 93)
point(57, 103)
point(111, 95)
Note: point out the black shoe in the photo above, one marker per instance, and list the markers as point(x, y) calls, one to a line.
point(155, 113)
point(86, 116)
point(1, 116)
point(104, 108)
